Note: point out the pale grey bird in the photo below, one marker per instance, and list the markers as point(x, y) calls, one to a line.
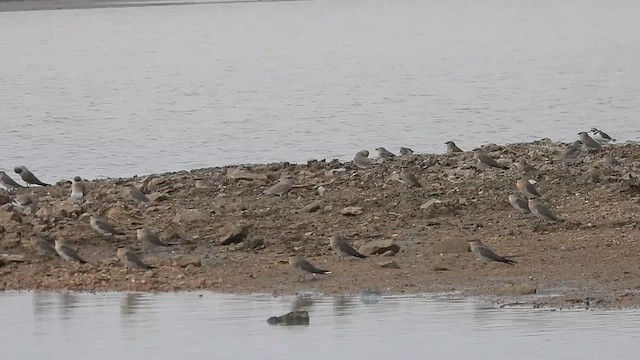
point(485, 254)
point(8, 182)
point(24, 201)
point(78, 189)
point(362, 160)
point(408, 178)
point(284, 185)
point(485, 159)
point(304, 267)
point(405, 151)
point(28, 176)
point(592, 175)
point(148, 237)
point(452, 148)
point(524, 167)
point(526, 188)
point(102, 226)
point(136, 194)
point(609, 161)
point(540, 211)
point(588, 141)
point(43, 247)
point(384, 153)
point(572, 152)
point(519, 204)
point(129, 259)
point(342, 248)
point(600, 136)
point(67, 253)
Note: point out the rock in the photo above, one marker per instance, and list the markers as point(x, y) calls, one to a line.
point(188, 260)
point(189, 215)
point(233, 234)
point(7, 216)
point(351, 211)
point(4, 199)
point(378, 247)
point(450, 246)
point(242, 174)
point(68, 209)
point(517, 289)
point(429, 204)
point(311, 208)
point(292, 318)
point(158, 197)
point(389, 265)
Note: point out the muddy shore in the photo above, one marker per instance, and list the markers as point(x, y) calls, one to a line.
point(592, 259)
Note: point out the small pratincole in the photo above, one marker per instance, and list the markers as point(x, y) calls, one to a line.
point(384, 153)
point(129, 259)
point(304, 267)
point(452, 148)
point(68, 253)
point(342, 248)
point(362, 160)
point(284, 185)
point(28, 176)
point(485, 254)
point(485, 159)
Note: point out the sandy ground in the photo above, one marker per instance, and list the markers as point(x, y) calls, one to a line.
point(592, 259)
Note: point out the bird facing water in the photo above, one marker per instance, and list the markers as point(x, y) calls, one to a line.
point(452, 148)
point(28, 177)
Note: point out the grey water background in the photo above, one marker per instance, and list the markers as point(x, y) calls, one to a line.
point(213, 326)
point(124, 91)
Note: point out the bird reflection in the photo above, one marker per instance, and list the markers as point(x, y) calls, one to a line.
point(130, 303)
point(42, 302)
point(66, 304)
point(342, 305)
point(301, 303)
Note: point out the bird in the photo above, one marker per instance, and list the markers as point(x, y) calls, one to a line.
point(526, 188)
point(78, 189)
point(485, 254)
point(600, 136)
point(384, 153)
point(102, 226)
point(540, 211)
point(43, 247)
point(146, 236)
point(405, 151)
point(408, 178)
point(572, 152)
point(524, 167)
point(24, 201)
point(136, 194)
point(609, 160)
point(68, 253)
point(28, 176)
point(452, 147)
point(304, 267)
point(485, 159)
point(362, 160)
point(130, 259)
point(519, 204)
point(342, 248)
point(284, 185)
point(592, 175)
point(588, 141)
point(8, 182)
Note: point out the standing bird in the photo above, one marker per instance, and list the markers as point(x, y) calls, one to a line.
point(540, 211)
point(43, 247)
point(78, 189)
point(452, 148)
point(28, 176)
point(408, 178)
point(485, 159)
point(519, 204)
point(137, 195)
point(68, 253)
point(304, 267)
point(384, 153)
point(8, 182)
point(342, 248)
point(103, 227)
point(588, 141)
point(572, 152)
point(284, 185)
point(485, 254)
point(601, 136)
point(24, 201)
point(524, 167)
point(129, 259)
point(405, 151)
point(148, 237)
point(526, 188)
point(609, 161)
point(362, 160)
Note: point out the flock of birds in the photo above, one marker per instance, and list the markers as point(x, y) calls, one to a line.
point(527, 200)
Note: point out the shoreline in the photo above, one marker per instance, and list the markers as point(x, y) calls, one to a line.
point(590, 260)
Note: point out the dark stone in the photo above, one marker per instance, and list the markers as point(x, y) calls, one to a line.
point(292, 318)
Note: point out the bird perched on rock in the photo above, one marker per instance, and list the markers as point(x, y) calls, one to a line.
point(78, 189)
point(485, 254)
point(304, 267)
point(129, 259)
point(609, 160)
point(148, 237)
point(362, 160)
point(452, 148)
point(67, 253)
point(284, 185)
point(103, 227)
point(526, 188)
point(28, 177)
point(484, 159)
point(43, 247)
point(588, 141)
point(342, 248)
point(524, 167)
point(384, 153)
point(408, 178)
point(405, 151)
point(572, 152)
point(137, 195)
point(519, 204)
point(600, 136)
point(540, 211)
point(8, 182)
point(24, 201)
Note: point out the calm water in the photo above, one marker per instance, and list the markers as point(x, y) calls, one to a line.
point(123, 91)
point(185, 325)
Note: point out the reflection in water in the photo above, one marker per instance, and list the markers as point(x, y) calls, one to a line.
point(130, 303)
point(67, 302)
point(301, 302)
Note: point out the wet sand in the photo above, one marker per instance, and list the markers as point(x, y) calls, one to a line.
point(591, 259)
